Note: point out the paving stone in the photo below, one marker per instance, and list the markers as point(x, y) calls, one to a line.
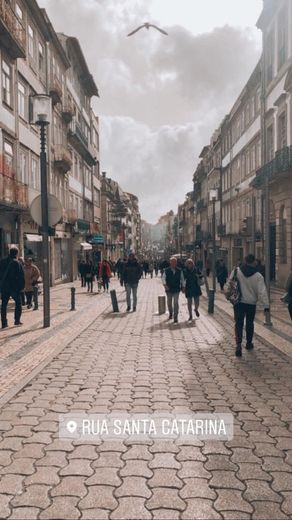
point(77, 467)
point(33, 496)
point(163, 497)
point(4, 506)
point(260, 490)
point(132, 509)
point(137, 453)
point(165, 514)
point(70, 486)
point(221, 462)
point(165, 478)
point(62, 507)
point(282, 481)
point(230, 499)
point(197, 488)
point(60, 445)
point(164, 460)
point(20, 467)
point(83, 452)
point(5, 457)
point(190, 453)
point(252, 471)
point(164, 447)
point(193, 469)
point(11, 484)
point(44, 475)
point(200, 508)
point(215, 447)
point(31, 451)
point(94, 514)
point(268, 510)
point(267, 450)
point(24, 513)
point(133, 487)
point(235, 515)
point(287, 504)
point(53, 458)
point(275, 464)
point(136, 468)
point(225, 479)
point(99, 497)
point(244, 455)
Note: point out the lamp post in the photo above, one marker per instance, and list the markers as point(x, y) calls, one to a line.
point(41, 116)
point(213, 194)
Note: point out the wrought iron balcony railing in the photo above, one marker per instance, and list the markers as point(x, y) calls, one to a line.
point(12, 31)
point(282, 163)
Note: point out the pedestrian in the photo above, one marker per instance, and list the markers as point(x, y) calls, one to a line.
point(31, 276)
point(145, 266)
point(89, 275)
point(193, 279)
point(122, 269)
point(151, 268)
point(163, 265)
point(11, 284)
point(287, 298)
point(208, 269)
point(173, 282)
point(131, 275)
point(82, 269)
point(22, 295)
point(221, 273)
point(250, 290)
point(156, 268)
point(105, 274)
point(261, 268)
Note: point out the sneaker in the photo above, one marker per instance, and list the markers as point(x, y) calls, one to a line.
point(238, 351)
point(249, 346)
point(18, 323)
point(128, 309)
point(197, 313)
point(175, 320)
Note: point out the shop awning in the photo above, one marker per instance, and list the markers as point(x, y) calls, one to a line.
point(34, 238)
point(86, 246)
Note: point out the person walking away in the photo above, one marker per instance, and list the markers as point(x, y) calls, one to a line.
point(82, 269)
point(156, 269)
point(145, 268)
point(252, 291)
point(31, 276)
point(11, 284)
point(261, 268)
point(151, 268)
point(287, 298)
point(193, 278)
point(22, 295)
point(131, 276)
point(222, 274)
point(89, 275)
point(105, 274)
point(173, 282)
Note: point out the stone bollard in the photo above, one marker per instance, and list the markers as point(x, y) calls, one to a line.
point(73, 292)
point(35, 297)
point(211, 299)
point(161, 305)
point(114, 301)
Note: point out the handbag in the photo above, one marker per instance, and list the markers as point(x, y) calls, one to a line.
point(286, 298)
point(233, 290)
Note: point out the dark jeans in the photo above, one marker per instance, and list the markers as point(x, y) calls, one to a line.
point(83, 281)
point(18, 307)
point(105, 283)
point(29, 295)
point(241, 311)
point(290, 309)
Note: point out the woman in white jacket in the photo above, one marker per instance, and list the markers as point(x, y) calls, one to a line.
point(253, 291)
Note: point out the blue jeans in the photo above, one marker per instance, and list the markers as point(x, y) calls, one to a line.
point(131, 287)
point(16, 296)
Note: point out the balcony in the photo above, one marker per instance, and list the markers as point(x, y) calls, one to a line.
point(279, 166)
point(62, 158)
point(12, 32)
point(79, 141)
point(13, 193)
point(55, 89)
point(201, 204)
point(67, 111)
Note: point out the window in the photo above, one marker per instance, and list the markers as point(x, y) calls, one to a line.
point(22, 97)
point(282, 37)
point(35, 178)
point(270, 57)
point(23, 173)
point(258, 100)
point(253, 158)
point(6, 83)
point(8, 158)
point(31, 42)
point(97, 197)
point(41, 58)
point(19, 18)
point(270, 143)
point(282, 131)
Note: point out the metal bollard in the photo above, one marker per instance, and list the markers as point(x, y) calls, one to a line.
point(211, 299)
point(73, 291)
point(114, 301)
point(35, 297)
point(161, 305)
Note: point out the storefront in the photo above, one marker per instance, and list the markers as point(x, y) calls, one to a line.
point(62, 257)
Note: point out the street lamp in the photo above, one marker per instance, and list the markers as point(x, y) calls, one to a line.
point(41, 106)
point(213, 197)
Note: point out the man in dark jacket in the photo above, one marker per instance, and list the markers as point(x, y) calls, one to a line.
point(173, 282)
point(131, 276)
point(12, 283)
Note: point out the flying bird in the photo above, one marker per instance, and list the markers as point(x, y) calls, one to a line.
point(147, 26)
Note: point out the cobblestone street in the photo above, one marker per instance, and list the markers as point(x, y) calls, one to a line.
point(138, 362)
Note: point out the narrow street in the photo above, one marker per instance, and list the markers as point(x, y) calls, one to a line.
point(138, 362)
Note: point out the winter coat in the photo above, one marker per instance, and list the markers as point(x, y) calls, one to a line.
point(192, 288)
point(104, 270)
point(132, 272)
point(11, 275)
point(173, 280)
point(31, 276)
point(252, 286)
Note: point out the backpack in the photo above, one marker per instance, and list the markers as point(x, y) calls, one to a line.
point(233, 290)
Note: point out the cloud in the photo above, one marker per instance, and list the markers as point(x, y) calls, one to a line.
point(161, 97)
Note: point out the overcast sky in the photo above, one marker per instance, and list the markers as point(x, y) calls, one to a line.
point(161, 97)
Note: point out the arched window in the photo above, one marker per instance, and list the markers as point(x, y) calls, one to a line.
point(282, 236)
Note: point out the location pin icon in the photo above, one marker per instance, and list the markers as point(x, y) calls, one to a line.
point(71, 426)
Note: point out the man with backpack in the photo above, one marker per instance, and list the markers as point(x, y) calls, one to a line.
point(12, 284)
point(245, 288)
